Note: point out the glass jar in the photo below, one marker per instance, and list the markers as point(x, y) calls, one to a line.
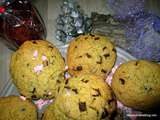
point(20, 21)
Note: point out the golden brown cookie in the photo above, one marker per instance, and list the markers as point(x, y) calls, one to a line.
point(91, 54)
point(137, 84)
point(37, 69)
point(86, 97)
point(15, 108)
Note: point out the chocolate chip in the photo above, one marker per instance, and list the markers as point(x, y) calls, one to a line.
point(58, 89)
point(34, 97)
point(58, 81)
point(50, 46)
point(27, 64)
point(93, 108)
point(34, 42)
point(76, 39)
point(114, 50)
point(94, 99)
point(86, 38)
point(113, 115)
point(52, 97)
point(82, 106)
point(88, 55)
point(97, 113)
point(95, 95)
point(45, 95)
point(104, 48)
point(147, 88)
point(52, 56)
point(67, 87)
point(136, 63)
point(106, 55)
point(23, 109)
point(42, 116)
point(104, 71)
point(100, 61)
point(45, 63)
point(33, 91)
point(110, 101)
point(98, 93)
point(63, 59)
point(66, 82)
point(92, 35)
point(85, 81)
point(96, 38)
point(122, 81)
point(75, 47)
point(104, 114)
point(80, 56)
point(75, 90)
point(79, 68)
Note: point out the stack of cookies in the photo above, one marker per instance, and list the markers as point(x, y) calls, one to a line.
point(38, 71)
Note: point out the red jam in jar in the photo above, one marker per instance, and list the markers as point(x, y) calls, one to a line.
point(20, 21)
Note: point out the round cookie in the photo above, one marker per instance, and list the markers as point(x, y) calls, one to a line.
point(137, 84)
point(37, 69)
point(86, 97)
point(15, 108)
point(91, 54)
